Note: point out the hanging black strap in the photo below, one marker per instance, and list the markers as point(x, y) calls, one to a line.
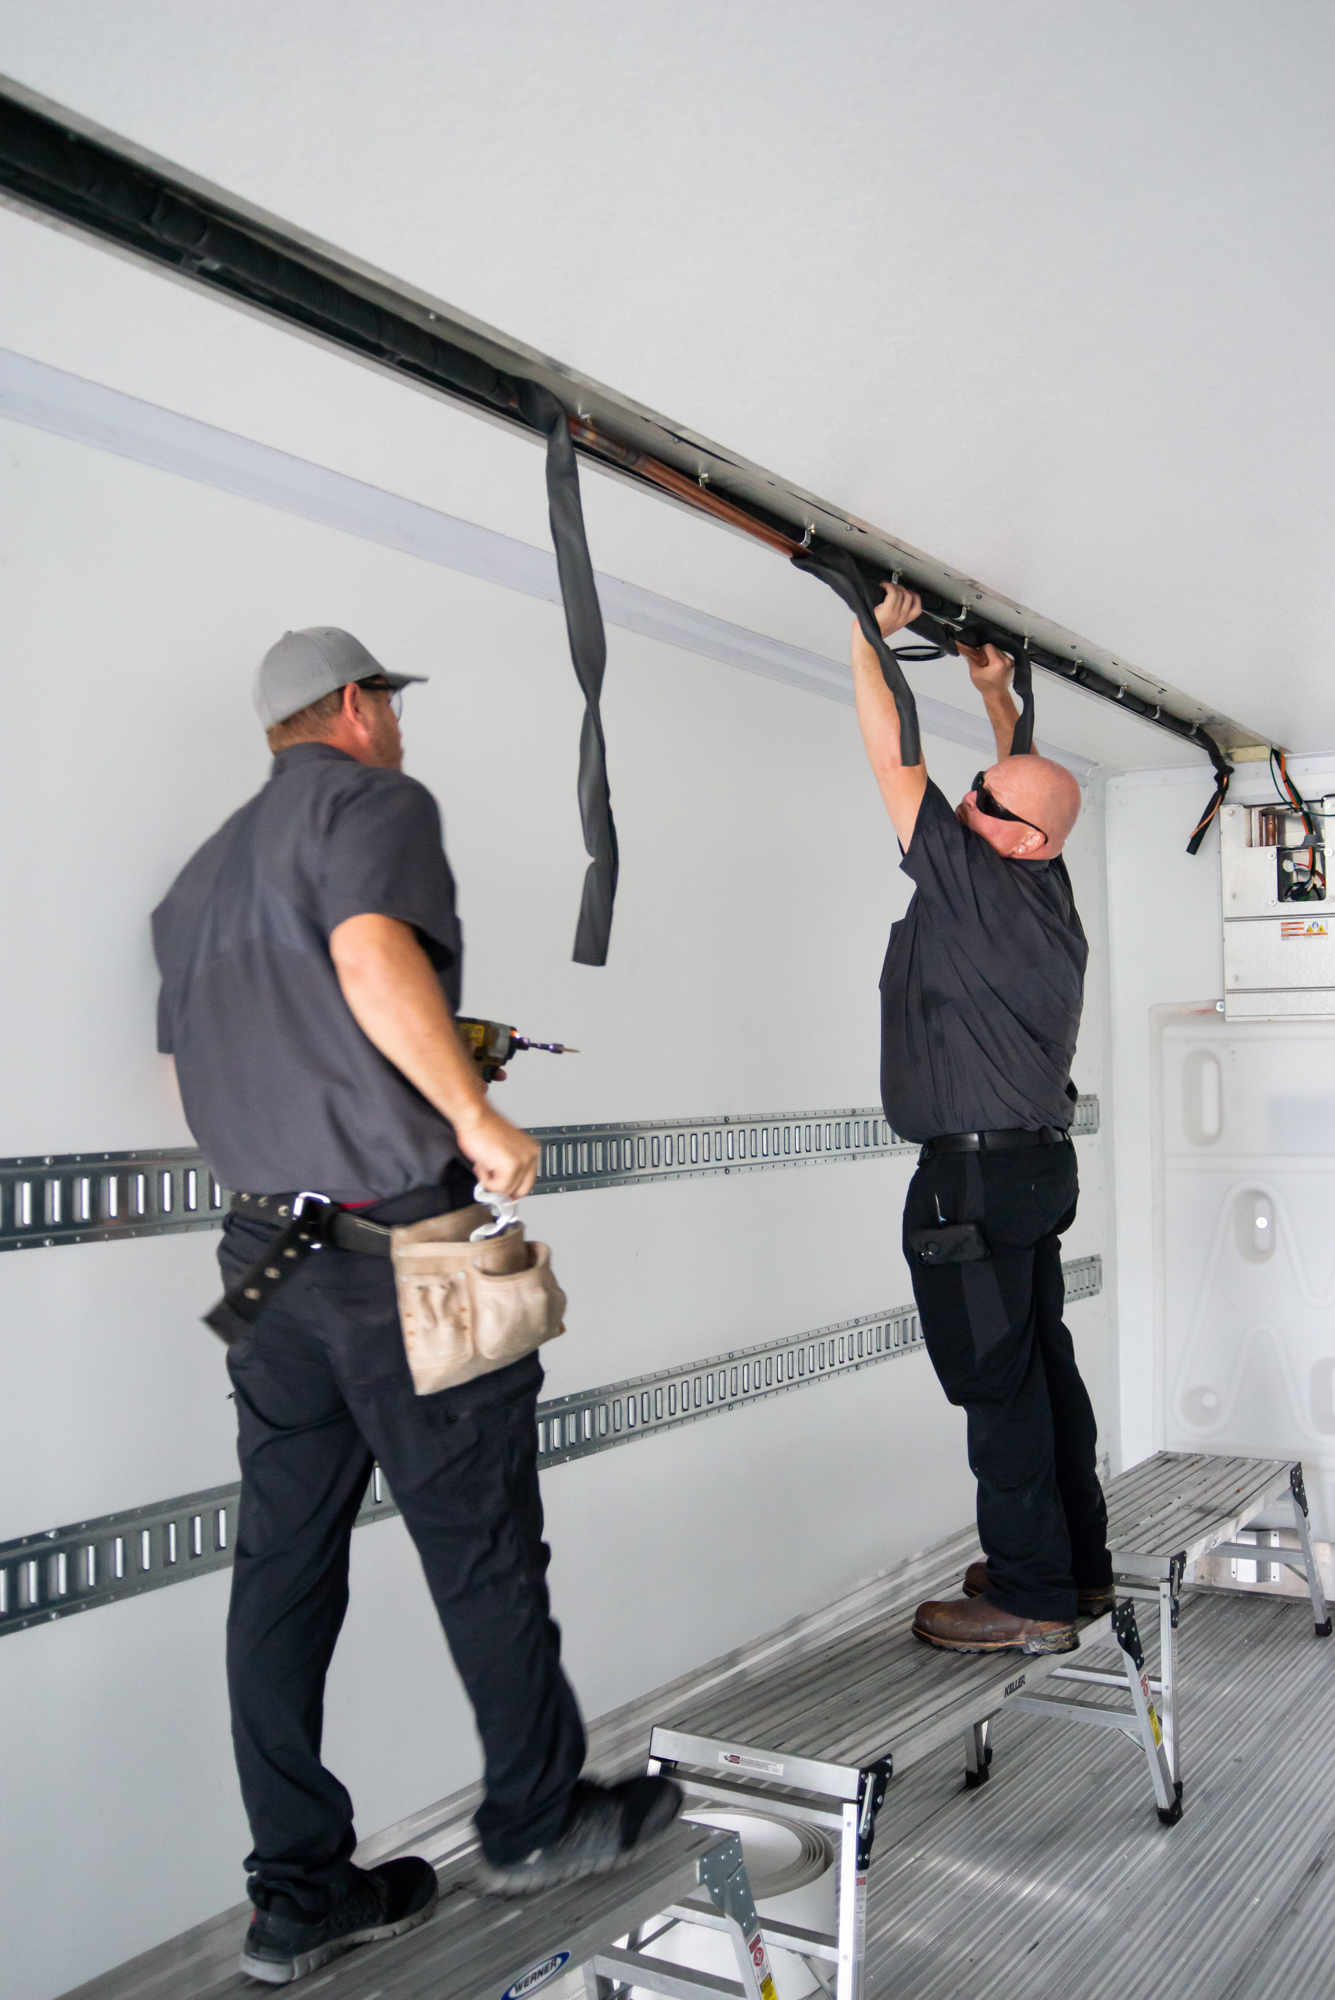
point(132, 204)
point(838, 569)
point(588, 650)
point(1022, 742)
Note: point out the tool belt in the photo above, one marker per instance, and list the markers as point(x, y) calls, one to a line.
point(472, 1298)
point(992, 1142)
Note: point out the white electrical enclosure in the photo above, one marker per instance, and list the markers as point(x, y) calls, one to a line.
point(1279, 929)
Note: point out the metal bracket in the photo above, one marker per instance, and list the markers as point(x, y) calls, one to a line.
point(1128, 1632)
point(1177, 1569)
point(1298, 1488)
point(872, 1787)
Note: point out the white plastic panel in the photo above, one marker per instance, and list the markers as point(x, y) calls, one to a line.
point(1246, 1252)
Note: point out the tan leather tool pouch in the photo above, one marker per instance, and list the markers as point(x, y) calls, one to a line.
point(468, 1308)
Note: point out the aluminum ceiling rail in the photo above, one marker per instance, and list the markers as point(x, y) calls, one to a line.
point(70, 171)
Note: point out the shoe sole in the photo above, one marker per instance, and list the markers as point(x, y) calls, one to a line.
point(1060, 1642)
point(498, 1882)
point(281, 1972)
point(1094, 1607)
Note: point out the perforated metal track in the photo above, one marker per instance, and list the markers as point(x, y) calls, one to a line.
point(52, 1199)
point(94, 1562)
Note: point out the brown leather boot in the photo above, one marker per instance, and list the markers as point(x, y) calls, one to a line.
point(972, 1625)
point(1090, 1603)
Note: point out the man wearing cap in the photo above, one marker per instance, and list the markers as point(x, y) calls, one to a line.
point(311, 963)
point(981, 997)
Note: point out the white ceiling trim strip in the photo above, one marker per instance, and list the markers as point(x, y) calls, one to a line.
point(50, 399)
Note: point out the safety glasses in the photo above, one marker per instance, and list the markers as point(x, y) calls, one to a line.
point(377, 684)
point(993, 809)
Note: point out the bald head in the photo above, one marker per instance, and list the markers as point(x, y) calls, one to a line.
point(1037, 791)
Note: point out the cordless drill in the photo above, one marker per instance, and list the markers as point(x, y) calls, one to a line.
point(492, 1043)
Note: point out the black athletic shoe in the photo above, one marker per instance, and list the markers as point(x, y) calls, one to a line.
point(382, 1903)
point(608, 1827)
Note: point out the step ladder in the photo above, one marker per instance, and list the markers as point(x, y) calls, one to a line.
point(1165, 1516)
point(820, 1727)
point(477, 1947)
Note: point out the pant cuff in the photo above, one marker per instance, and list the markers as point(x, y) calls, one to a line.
point(1061, 1611)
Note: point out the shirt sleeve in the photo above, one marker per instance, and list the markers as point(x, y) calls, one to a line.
point(383, 856)
point(939, 857)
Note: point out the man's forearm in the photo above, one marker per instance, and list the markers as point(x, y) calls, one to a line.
point(395, 998)
point(1003, 716)
point(902, 786)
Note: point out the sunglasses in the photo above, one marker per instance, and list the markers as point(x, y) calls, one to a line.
point(992, 808)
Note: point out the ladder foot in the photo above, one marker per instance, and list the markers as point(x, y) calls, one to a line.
point(1323, 1631)
point(1170, 1815)
point(973, 1779)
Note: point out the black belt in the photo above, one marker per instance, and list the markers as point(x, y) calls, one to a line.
point(992, 1142)
point(305, 1223)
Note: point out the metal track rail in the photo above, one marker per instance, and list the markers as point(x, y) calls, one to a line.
point(94, 1562)
point(52, 1199)
point(68, 170)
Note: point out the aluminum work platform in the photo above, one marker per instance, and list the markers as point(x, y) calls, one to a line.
point(821, 1724)
point(479, 1948)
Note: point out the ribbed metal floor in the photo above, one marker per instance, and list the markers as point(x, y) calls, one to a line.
point(1055, 1881)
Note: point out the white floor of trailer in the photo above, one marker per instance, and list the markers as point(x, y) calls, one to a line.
point(1055, 1881)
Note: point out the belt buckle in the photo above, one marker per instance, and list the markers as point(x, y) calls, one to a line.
point(299, 1208)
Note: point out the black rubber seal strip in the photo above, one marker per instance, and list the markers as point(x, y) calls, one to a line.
point(839, 570)
point(588, 651)
point(91, 185)
point(64, 174)
point(1022, 681)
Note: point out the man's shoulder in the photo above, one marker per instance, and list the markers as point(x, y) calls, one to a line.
point(323, 790)
point(338, 774)
point(936, 829)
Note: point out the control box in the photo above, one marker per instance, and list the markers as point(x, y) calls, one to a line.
point(1279, 928)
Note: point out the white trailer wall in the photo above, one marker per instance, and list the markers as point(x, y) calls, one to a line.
point(759, 881)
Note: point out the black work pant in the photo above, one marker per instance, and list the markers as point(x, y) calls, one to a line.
point(994, 1331)
point(322, 1389)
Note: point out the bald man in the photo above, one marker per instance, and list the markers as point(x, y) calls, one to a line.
point(980, 1002)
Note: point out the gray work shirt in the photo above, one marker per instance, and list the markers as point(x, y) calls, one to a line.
point(982, 987)
point(281, 1088)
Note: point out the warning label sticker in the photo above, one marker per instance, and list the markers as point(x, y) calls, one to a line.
point(1302, 927)
point(741, 1762)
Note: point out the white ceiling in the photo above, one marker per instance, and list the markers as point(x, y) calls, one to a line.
point(1044, 288)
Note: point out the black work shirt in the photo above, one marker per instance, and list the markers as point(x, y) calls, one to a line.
point(982, 987)
point(281, 1088)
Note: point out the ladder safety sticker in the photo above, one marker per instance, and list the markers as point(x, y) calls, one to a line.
point(764, 1765)
point(536, 1976)
point(759, 1959)
point(1297, 927)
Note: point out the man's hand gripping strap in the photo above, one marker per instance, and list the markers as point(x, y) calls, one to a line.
point(838, 569)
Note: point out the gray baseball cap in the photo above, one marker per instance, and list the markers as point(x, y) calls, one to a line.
point(306, 664)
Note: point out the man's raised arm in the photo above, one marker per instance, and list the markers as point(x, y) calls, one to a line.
point(991, 670)
point(902, 786)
